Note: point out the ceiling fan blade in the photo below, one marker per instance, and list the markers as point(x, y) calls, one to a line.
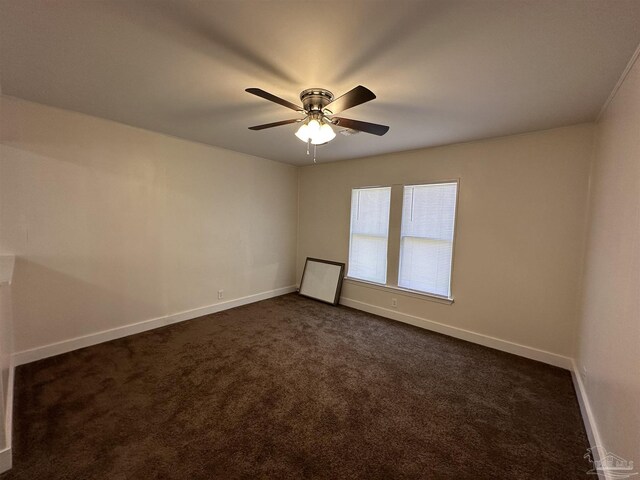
point(352, 98)
point(366, 127)
point(272, 98)
point(275, 124)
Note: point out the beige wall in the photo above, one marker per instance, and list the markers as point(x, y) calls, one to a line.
point(520, 229)
point(114, 225)
point(609, 334)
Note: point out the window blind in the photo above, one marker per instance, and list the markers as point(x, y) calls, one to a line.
point(369, 234)
point(426, 238)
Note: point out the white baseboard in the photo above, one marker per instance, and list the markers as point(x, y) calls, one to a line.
point(487, 341)
point(587, 415)
point(6, 453)
point(5, 459)
point(38, 353)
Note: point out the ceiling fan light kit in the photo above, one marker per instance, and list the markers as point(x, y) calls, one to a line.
point(319, 107)
point(316, 131)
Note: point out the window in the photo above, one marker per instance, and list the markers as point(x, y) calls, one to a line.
point(369, 234)
point(420, 220)
point(426, 238)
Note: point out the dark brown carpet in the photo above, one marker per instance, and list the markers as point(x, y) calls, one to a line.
point(293, 388)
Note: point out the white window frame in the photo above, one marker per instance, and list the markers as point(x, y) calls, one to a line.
point(353, 190)
point(393, 245)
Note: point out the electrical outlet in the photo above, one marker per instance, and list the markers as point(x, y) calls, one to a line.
point(394, 302)
point(220, 294)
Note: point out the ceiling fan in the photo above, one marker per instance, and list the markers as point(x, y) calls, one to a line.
point(319, 108)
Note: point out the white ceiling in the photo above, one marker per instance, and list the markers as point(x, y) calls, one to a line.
point(443, 71)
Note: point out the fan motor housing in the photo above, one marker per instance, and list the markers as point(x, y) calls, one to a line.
point(315, 99)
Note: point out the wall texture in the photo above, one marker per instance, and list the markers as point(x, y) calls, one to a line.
point(520, 228)
point(609, 334)
point(113, 225)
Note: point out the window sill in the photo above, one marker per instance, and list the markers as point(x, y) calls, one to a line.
point(400, 291)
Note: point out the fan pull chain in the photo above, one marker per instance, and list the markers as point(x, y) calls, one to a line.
point(314, 153)
point(308, 142)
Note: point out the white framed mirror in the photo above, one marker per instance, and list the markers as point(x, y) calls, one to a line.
point(322, 280)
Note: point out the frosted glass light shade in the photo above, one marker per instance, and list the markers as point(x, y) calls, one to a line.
point(326, 134)
point(314, 127)
point(303, 133)
point(316, 132)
